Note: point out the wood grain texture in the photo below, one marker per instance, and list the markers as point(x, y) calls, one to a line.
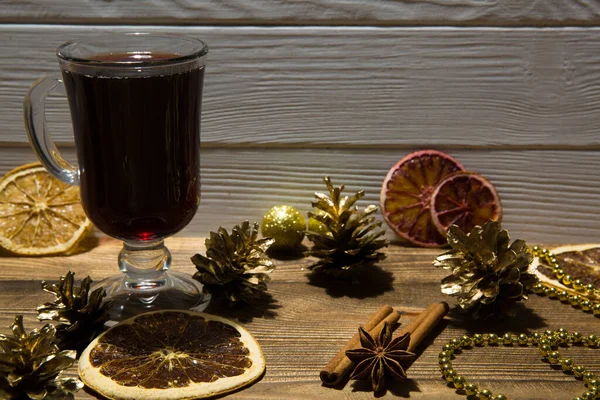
point(307, 12)
point(310, 322)
point(367, 87)
point(548, 195)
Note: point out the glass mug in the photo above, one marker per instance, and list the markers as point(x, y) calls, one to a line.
point(135, 102)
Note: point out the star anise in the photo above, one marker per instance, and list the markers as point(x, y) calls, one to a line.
point(380, 357)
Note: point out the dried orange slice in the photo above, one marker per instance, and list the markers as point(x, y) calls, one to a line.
point(464, 199)
point(172, 354)
point(406, 195)
point(39, 215)
point(578, 262)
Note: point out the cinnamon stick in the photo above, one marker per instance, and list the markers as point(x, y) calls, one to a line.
point(423, 323)
point(339, 366)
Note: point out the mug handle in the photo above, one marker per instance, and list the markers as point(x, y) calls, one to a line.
point(34, 112)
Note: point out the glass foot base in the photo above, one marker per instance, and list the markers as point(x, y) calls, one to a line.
point(171, 291)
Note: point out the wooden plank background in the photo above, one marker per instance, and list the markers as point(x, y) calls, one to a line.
point(308, 12)
point(299, 90)
point(360, 87)
point(555, 203)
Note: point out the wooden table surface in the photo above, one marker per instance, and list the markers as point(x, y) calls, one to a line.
point(309, 322)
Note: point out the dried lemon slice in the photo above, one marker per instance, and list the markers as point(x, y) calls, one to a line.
point(172, 354)
point(39, 215)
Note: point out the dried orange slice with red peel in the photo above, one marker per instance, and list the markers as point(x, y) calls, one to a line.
point(171, 354)
point(406, 195)
point(39, 215)
point(465, 199)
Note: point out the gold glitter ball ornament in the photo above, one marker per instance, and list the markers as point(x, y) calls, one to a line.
point(286, 225)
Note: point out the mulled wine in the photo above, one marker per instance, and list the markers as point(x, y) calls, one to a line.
point(138, 140)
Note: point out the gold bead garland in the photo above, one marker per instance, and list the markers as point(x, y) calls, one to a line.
point(547, 343)
point(582, 301)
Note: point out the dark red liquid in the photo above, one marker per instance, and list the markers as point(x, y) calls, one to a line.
point(138, 142)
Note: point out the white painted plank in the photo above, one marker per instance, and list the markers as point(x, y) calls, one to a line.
point(399, 87)
point(549, 196)
point(306, 12)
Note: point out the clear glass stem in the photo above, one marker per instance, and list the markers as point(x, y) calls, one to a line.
point(145, 264)
point(147, 285)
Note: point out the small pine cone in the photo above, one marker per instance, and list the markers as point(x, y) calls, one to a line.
point(488, 276)
point(82, 313)
point(348, 239)
point(236, 267)
point(31, 365)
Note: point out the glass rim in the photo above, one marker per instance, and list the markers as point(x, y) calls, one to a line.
point(64, 54)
